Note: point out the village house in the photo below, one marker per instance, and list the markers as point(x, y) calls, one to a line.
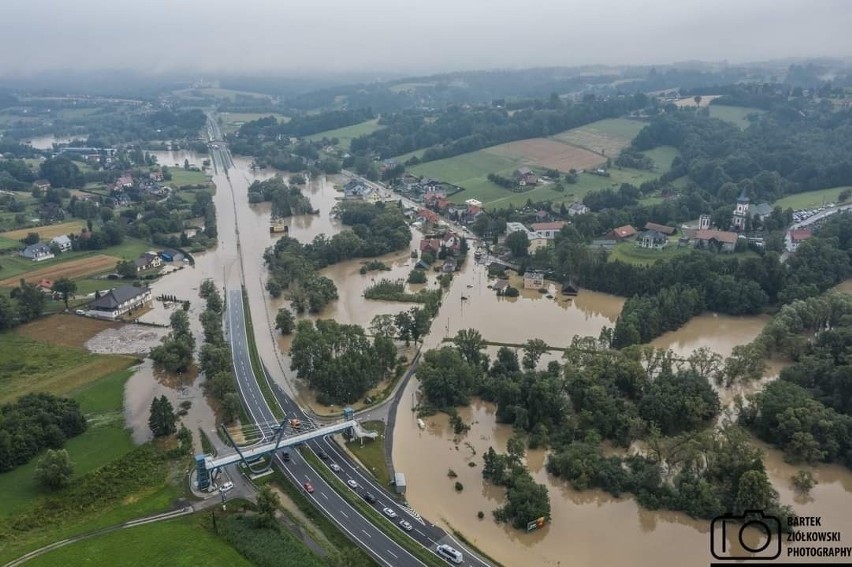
point(794, 238)
point(500, 286)
point(432, 245)
point(570, 288)
point(542, 216)
point(50, 212)
point(652, 240)
point(525, 176)
point(119, 301)
point(426, 215)
point(548, 229)
point(536, 241)
point(763, 210)
point(148, 261)
point(355, 190)
point(577, 209)
point(41, 185)
point(449, 266)
point(515, 227)
point(667, 230)
point(125, 181)
point(156, 176)
point(45, 285)
point(533, 280)
point(621, 233)
point(724, 240)
point(62, 242)
point(37, 252)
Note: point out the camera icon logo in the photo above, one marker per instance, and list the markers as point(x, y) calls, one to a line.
point(745, 549)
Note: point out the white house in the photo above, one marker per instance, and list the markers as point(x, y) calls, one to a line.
point(62, 242)
point(119, 301)
point(37, 252)
point(577, 209)
point(548, 229)
point(515, 227)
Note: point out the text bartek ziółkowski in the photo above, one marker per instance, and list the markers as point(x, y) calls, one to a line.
point(812, 537)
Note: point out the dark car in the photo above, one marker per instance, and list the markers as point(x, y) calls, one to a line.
point(322, 455)
point(369, 497)
point(285, 456)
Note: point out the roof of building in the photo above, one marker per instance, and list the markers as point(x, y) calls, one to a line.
point(720, 235)
point(500, 284)
point(533, 274)
point(743, 198)
point(61, 240)
point(515, 227)
point(33, 249)
point(524, 171)
point(667, 230)
point(118, 296)
point(578, 207)
point(655, 234)
point(763, 209)
point(800, 234)
point(555, 225)
point(624, 231)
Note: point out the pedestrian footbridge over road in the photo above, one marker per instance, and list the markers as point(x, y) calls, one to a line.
point(274, 437)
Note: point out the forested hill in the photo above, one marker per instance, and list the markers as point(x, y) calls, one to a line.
point(460, 130)
point(797, 146)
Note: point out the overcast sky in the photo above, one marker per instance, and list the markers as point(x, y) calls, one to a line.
point(410, 36)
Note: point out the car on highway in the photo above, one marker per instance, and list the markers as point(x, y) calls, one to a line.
point(370, 497)
point(286, 456)
point(335, 467)
point(309, 488)
point(226, 486)
point(389, 512)
point(406, 525)
point(322, 455)
point(352, 484)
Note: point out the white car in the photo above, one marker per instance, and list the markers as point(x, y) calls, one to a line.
point(335, 467)
point(389, 513)
point(406, 525)
point(226, 486)
point(352, 484)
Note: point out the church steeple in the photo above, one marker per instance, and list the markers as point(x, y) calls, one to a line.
point(740, 212)
point(743, 198)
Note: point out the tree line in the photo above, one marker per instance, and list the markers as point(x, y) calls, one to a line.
point(35, 422)
point(286, 199)
point(599, 394)
point(459, 130)
point(174, 354)
point(215, 357)
point(807, 412)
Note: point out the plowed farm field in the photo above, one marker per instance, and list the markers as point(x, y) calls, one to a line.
point(73, 269)
point(546, 153)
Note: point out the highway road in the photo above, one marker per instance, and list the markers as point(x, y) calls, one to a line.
point(370, 538)
point(360, 529)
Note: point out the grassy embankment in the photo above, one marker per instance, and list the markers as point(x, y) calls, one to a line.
point(811, 199)
point(347, 133)
point(372, 453)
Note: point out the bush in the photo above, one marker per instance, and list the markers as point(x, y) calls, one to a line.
point(459, 486)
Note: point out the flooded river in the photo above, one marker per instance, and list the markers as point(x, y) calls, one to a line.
point(588, 528)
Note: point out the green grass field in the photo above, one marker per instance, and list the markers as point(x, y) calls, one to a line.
point(606, 137)
point(737, 115)
point(345, 135)
point(181, 177)
point(810, 199)
point(105, 439)
point(471, 172)
point(629, 253)
point(181, 542)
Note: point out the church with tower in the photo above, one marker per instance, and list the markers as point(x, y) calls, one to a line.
point(738, 221)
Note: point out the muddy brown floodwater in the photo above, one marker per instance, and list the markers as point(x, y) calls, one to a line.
point(588, 528)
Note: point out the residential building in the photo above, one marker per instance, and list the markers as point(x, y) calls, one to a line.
point(430, 245)
point(62, 242)
point(704, 222)
point(148, 261)
point(536, 241)
point(125, 181)
point(37, 252)
point(428, 216)
point(570, 288)
point(500, 286)
point(652, 240)
point(794, 238)
point(525, 176)
point(724, 240)
point(354, 190)
point(41, 184)
point(533, 280)
point(578, 209)
point(548, 229)
point(621, 233)
point(515, 227)
point(449, 266)
point(119, 301)
point(738, 220)
point(667, 230)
